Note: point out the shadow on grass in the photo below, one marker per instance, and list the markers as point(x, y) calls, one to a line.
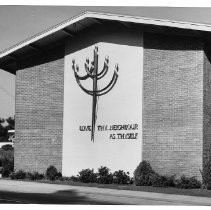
point(59, 197)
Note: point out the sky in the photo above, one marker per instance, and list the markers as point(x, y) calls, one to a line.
point(20, 22)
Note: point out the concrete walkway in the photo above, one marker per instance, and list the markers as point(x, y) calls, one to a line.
point(91, 195)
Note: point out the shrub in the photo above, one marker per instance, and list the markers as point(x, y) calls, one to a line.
point(74, 178)
point(59, 175)
point(131, 180)
point(7, 166)
point(6, 154)
point(6, 162)
point(7, 147)
point(206, 174)
point(169, 181)
point(143, 174)
point(120, 177)
point(64, 178)
point(18, 175)
point(104, 177)
point(34, 176)
point(87, 176)
point(52, 173)
point(12, 175)
point(162, 181)
point(155, 180)
point(188, 183)
point(67, 178)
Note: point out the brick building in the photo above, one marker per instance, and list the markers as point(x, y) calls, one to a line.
point(161, 99)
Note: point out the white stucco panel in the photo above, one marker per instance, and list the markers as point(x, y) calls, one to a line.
point(121, 106)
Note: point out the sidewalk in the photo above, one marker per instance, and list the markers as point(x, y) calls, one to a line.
point(120, 196)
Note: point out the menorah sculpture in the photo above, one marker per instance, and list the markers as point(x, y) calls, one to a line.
point(92, 72)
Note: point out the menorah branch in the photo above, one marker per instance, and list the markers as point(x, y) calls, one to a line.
point(92, 73)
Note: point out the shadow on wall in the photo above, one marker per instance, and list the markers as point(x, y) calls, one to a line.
point(167, 42)
point(113, 33)
point(85, 38)
point(47, 56)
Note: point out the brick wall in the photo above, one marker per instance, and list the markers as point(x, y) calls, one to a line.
point(173, 104)
point(39, 111)
point(173, 107)
point(207, 105)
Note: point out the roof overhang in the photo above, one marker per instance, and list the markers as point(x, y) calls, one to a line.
point(67, 28)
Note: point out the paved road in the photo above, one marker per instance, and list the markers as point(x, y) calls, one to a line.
point(18, 192)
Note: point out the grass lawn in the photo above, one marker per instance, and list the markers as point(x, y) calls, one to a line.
point(167, 190)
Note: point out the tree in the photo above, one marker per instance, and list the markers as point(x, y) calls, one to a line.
point(11, 123)
point(4, 128)
point(3, 131)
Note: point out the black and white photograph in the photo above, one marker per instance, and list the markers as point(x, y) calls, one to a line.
point(105, 105)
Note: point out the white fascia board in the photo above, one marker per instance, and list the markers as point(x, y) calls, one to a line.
point(108, 16)
point(42, 35)
point(152, 21)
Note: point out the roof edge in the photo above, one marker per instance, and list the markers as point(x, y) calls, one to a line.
point(107, 16)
